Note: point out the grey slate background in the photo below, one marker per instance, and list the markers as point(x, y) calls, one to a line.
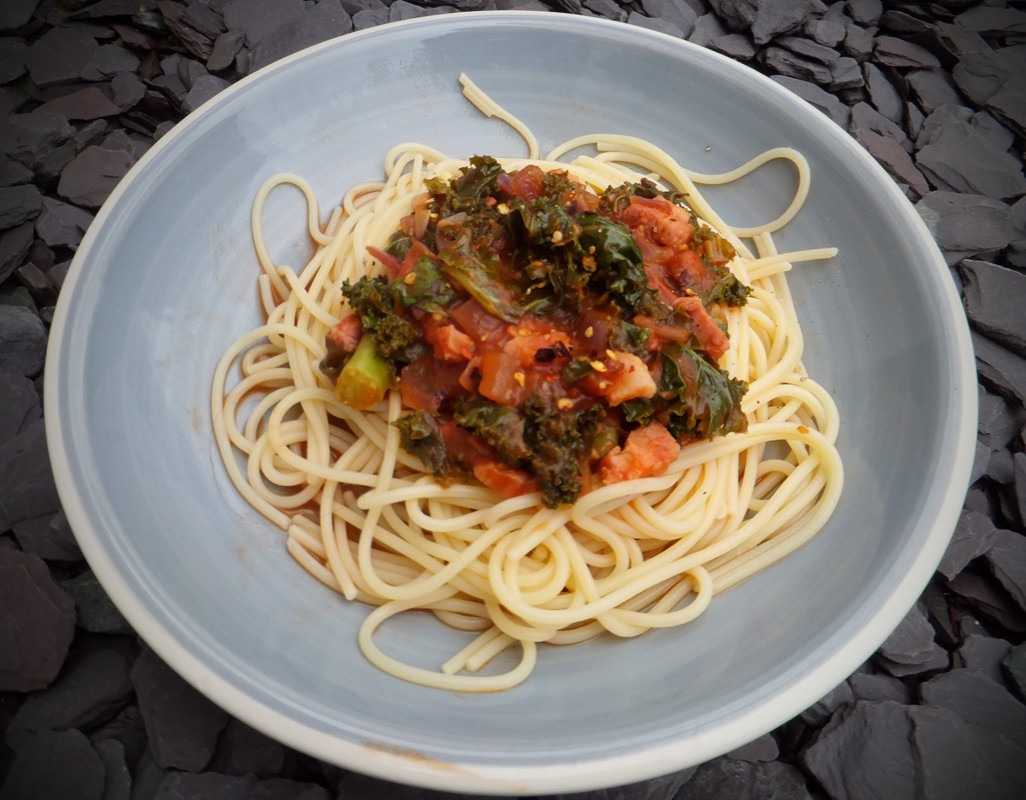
point(935, 91)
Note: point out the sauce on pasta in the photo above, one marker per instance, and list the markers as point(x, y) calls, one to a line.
point(516, 565)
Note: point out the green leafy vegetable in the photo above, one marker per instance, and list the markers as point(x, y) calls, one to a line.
point(419, 434)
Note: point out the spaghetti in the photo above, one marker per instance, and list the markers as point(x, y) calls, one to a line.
point(365, 518)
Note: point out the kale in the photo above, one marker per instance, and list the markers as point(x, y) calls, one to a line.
point(501, 426)
point(466, 191)
point(576, 369)
point(700, 399)
point(423, 287)
point(419, 434)
point(619, 266)
point(559, 440)
point(398, 340)
point(627, 337)
point(727, 289)
point(399, 245)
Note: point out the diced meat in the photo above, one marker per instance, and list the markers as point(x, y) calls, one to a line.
point(712, 338)
point(628, 379)
point(343, 338)
point(648, 451)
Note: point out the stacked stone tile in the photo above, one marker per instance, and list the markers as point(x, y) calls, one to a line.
point(936, 92)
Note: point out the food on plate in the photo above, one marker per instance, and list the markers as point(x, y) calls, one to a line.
point(542, 398)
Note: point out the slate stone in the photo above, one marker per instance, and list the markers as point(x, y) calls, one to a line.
point(1000, 368)
point(190, 70)
point(828, 32)
point(981, 459)
point(965, 225)
point(820, 712)
point(865, 12)
point(878, 687)
point(900, 22)
point(19, 404)
point(126, 729)
point(285, 789)
point(845, 73)
point(1009, 104)
point(96, 611)
point(995, 297)
point(984, 655)
point(22, 345)
point(981, 74)
point(255, 19)
point(176, 18)
point(967, 152)
point(1007, 561)
point(989, 600)
point(649, 23)
point(676, 12)
point(1016, 253)
point(932, 88)
point(1019, 466)
point(34, 139)
point(401, 10)
point(227, 45)
point(56, 766)
point(12, 58)
point(990, 21)
point(828, 103)
point(15, 13)
point(371, 17)
point(213, 786)
point(1015, 668)
point(128, 90)
point(133, 37)
point(951, 42)
point(806, 48)
point(736, 45)
point(767, 19)
point(744, 780)
point(859, 42)
point(205, 20)
point(117, 779)
point(243, 750)
point(974, 535)
point(889, 152)
point(998, 421)
point(708, 27)
point(1000, 467)
point(764, 748)
point(865, 753)
point(90, 690)
point(62, 224)
point(865, 117)
point(85, 104)
point(37, 623)
point(779, 61)
point(147, 777)
point(12, 173)
point(14, 247)
point(894, 52)
point(978, 700)
point(202, 90)
point(912, 642)
point(60, 56)
point(19, 204)
point(35, 536)
point(182, 725)
point(882, 94)
point(89, 179)
point(318, 23)
point(958, 761)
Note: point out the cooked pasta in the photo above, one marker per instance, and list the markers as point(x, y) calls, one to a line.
point(363, 516)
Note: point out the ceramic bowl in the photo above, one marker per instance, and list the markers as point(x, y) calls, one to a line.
point(165, 280)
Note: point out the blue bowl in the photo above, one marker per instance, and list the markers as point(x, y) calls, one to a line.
point(165, 280)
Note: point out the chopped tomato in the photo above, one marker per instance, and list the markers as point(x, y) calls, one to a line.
point(499, 378)
point(648, 451)
point(449, 343)
point(481, 326)
point(392, 264)
point(528, 183)
point(426, 384)
point(711, 336)
point(507, 481)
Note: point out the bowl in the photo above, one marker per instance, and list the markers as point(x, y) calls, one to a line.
point(165, 279)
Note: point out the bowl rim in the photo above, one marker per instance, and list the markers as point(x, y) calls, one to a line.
point(416, 769)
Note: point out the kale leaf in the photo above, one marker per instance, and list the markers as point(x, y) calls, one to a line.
point(419, 434)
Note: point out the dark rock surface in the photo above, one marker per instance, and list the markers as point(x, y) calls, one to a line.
point(936, 93)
